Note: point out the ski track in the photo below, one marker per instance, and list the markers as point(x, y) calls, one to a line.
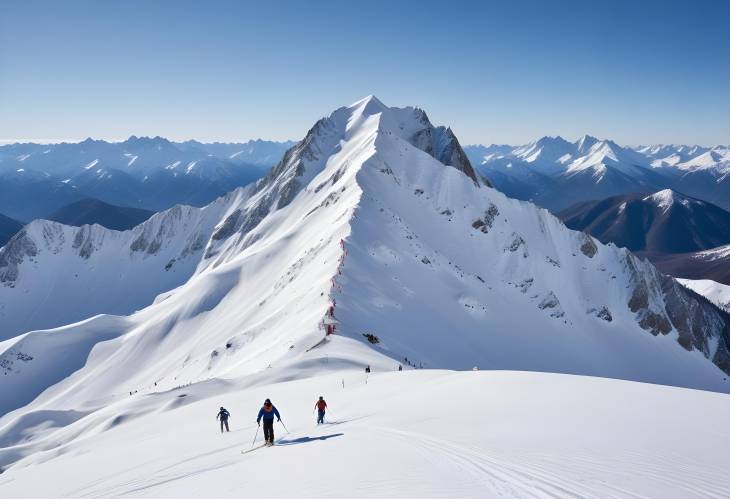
point(535, 480)
point(506, 479)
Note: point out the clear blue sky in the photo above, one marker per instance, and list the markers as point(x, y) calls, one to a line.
point(504, 72)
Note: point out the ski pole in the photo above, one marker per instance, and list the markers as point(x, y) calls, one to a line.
point(257, 434)
point(282, 424)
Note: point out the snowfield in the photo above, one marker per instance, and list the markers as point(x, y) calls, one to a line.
point(412, 434)
point(374, 227)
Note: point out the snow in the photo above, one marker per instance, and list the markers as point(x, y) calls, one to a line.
point(555, 156)
point(362, 217)
point(106, 274)
point(714, 253)
point(717, 293)
point(663, 199)
point(424, 434)
point(666, 198)
point(91, 165)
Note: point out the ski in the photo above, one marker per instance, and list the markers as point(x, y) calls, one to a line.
point(246, 451)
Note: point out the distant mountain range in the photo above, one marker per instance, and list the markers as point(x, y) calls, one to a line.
point(682, 236)
point(711, 264)
point(663, 222)
point(556, 174)
point(141, 172)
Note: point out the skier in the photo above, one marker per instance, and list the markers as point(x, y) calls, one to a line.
point(367, 369)
point(223, 415)
point(400, 367)
point(321, 405)
point(267, 413)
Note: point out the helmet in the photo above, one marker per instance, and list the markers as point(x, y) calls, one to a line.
point(321, 397)
point(267, 401)
point(222, 409)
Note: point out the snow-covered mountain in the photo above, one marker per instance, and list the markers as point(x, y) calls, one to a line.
point(375, 223)
point(671, 155)
point(262, 153)
point(713, 264)
point(556, 174)
point(717, 293)
point(662, 222)
point(141, 172)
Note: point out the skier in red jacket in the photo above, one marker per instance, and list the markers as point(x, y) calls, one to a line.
point(320, 405)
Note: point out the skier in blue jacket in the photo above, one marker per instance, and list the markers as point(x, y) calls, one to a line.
point(223, 415)
point(267, 413)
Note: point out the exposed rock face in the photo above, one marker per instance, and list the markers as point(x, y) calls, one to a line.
point(228, 227)
point(589, 248)
point(602, 313)
point(551, 302)
point(484, 224)
point(441, 143)
point(13, 253)
point(517, 243)
point(663, 305)
point(646, 297)
point(699, 323)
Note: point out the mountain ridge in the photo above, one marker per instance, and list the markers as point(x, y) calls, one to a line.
point(556, 174)
point(362, 232)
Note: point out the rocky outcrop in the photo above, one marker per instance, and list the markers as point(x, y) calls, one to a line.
point(588, 247)
point(485, 223)
point(551, 303)
point(12, 255)
point(699, 323)
point(441, 143)
point(663, 305)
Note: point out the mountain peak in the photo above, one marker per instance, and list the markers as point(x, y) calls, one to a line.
point(368, 106)
point(667, 197)
point(585, 142)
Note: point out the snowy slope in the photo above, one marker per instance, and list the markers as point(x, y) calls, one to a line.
point(517, 435)
point(717, 293)
point(53, 274)
point(379, 217)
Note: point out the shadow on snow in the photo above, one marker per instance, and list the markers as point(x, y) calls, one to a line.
point(304, 440)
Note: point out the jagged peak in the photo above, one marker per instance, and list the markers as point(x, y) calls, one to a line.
point(585, 142)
